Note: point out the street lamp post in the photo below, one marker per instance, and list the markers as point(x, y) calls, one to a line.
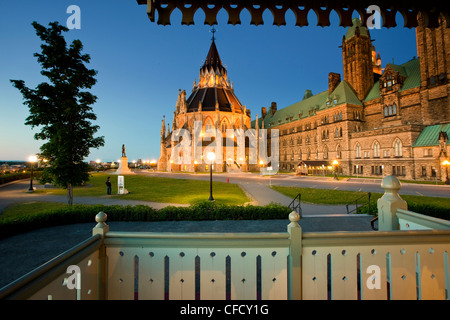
point(211, 157)
point(32, 160)
point(335, 164)
point(446, 163)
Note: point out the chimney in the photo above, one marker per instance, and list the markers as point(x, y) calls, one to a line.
point(263, 112)
point(333, 81)
point(273, 108)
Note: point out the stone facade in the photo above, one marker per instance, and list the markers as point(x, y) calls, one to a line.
point(379, 127)
point(214, 105)
point(375, 122)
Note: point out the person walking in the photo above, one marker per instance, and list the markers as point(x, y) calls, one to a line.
point(108, 185)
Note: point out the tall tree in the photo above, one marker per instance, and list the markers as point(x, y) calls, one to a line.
point(61, 109)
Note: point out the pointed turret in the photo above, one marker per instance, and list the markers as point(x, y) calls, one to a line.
point(213, 90)
point(163, 129)
point(213, 61)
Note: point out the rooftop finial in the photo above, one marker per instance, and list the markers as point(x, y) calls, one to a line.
point(213, 30)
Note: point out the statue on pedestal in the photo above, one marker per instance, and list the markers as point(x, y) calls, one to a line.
point(123, 165)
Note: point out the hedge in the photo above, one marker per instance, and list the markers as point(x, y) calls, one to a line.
point(9, 177)
point(86, 214)
point(434, 210)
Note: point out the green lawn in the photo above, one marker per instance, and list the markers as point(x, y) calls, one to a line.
point(337, 197)
point(156, 189)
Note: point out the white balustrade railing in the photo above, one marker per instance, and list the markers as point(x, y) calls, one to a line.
point(385, 264)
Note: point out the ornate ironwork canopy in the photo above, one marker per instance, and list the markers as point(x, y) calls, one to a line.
point(430, 9)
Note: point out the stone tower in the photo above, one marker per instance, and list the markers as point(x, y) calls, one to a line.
point(433, 50)
point(357, 59)
point(211, 108)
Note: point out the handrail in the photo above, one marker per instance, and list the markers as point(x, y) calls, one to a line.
point(422, 220)
point(361, 238)
point(372, 223)
point(356, 203)
point(297, 208)
point(37, 278)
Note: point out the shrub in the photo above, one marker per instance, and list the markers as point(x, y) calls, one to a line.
point(432, 210)
point(86, 214)
point(9, 177)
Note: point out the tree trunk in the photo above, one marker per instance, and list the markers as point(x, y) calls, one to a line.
point(70, 194)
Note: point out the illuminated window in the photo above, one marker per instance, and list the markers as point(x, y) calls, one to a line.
point(376, 149)
point(208, 125)
point(398, 148)
point(358, 151)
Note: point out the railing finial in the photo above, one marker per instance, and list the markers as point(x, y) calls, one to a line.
point(101, 228)
point(294, 217)
point(389, 203)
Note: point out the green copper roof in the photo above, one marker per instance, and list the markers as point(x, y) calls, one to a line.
point(430, 135)
point(351, 30)
point(310, 105)
point(410, 69)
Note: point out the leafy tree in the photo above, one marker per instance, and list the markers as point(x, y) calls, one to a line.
point(61, 109)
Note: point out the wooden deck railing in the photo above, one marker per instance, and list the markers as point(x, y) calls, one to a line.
point(385, 264)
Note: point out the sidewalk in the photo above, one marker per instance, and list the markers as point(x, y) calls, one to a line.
point(262, 195)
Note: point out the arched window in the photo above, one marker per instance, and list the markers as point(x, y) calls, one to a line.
point(394, 108)
point(398, 148)
point(208, 125)
point(376, 149)
point(358, 150)
point(339, 152)
point(224, 126)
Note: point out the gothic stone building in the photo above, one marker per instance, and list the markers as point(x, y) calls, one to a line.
point(215, 106)
point(374, 122)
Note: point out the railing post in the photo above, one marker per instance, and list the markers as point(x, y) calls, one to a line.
point(294, 259)
point(389, 203)
point(101, 228)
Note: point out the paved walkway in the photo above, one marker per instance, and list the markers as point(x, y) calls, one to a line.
point(22, 253)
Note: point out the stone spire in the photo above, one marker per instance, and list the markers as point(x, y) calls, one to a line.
point(163, 128)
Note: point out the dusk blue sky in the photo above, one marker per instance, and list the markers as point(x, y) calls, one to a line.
point(142, 65)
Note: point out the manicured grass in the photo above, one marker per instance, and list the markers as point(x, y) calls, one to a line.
point(321, 196)
point(157, 189)
point(434, 206)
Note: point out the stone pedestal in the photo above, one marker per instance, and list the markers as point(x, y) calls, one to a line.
point(123, 167)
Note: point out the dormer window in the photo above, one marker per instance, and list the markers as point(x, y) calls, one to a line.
point(391, 80)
